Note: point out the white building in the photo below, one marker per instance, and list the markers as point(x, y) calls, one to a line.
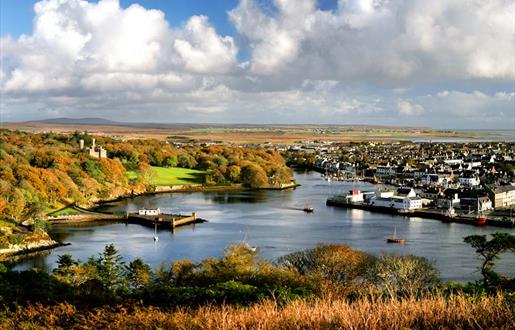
point(469, 181)
point(399, 203)
point(502, 196)
point(149, 211)
point(439, 180)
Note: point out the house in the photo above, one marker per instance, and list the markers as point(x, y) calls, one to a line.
point(406, 192)
point(501, 196)
point(469, 180)
point(149, 211)
point(475, 200)
point(450, 197)
point(386, 171)
point(399, 203)
point(431, 193)
point(440, 180)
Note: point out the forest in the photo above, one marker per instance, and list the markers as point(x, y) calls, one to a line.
point(43, 172)
point(328, 286)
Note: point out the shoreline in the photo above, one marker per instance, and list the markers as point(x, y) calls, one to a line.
point(187, 189)
point(28, 249)
point(49, 243)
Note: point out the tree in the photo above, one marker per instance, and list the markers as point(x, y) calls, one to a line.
point(404, 275)
point(339, 264)
point(253, 176)
point(490, 250)
point(110, 268)
point(139, 273)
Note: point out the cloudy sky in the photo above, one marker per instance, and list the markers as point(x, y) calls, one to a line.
point(444, 64)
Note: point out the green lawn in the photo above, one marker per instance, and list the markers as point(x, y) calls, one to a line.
point(171, 176)
point(69, 210)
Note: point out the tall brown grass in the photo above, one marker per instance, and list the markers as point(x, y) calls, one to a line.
point(456, 312)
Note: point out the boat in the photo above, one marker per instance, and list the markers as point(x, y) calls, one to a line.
point(394, 238)
point(156, 238)
point(308, 209)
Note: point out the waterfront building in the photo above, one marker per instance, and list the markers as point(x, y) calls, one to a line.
point(149, 211)
point(397, 202)
point(501, 196)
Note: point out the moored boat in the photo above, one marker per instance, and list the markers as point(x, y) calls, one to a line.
point(394, 238)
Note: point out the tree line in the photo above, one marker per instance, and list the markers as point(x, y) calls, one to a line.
point(41, 172)
point(240, 277)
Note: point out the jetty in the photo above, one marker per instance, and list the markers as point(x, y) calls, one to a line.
point(145, 217)
point(154, 218)
point(420, 213)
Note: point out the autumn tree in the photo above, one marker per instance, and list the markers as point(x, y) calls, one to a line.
point(253, 176)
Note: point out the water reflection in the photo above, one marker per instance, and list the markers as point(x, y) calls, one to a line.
point(274, 222)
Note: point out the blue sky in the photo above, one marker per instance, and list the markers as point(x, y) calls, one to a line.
point(441, 64)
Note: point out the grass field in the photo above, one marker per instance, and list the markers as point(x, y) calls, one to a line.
point(172, 176)
point(69, 210)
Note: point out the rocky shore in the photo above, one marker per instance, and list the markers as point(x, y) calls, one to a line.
point(32, 243)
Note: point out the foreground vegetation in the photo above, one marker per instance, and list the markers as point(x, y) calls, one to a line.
point(329, 286)
point(437, 312)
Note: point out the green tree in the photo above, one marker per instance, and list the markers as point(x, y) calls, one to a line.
point(139, 273)
point(490, 250)
point(111, 268)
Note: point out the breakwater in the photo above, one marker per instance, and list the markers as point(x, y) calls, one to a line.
point(426, 214)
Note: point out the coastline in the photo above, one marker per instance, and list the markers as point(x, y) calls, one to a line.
point(188, 189)
point(28, 248)
point(48, 243)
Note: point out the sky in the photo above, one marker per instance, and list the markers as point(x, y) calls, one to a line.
point(441, 64)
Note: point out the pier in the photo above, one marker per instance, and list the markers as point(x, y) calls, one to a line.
point(163, 220)
point(426, 214)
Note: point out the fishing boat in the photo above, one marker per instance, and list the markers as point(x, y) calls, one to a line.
point(394, 238)
point(481, 218)
point(308, 209)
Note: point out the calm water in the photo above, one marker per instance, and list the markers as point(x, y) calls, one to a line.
point(274, 222)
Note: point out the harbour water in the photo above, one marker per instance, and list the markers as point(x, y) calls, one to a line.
point(274, 222)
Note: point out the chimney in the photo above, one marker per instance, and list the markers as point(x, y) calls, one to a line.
point(81, 142)
point(93, 143)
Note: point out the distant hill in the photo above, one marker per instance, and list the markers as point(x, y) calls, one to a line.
point(78, 121)
point(153, 125)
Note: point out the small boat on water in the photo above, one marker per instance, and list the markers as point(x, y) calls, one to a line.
point(394, 238)
point(308, 209)
point(156, 238)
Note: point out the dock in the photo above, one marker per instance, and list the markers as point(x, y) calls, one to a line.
point(163, 220)
point(426, 214)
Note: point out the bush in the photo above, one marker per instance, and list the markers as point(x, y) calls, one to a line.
point(16, 239)
point(404, 275)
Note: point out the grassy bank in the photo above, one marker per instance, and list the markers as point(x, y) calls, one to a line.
point(455, 312)
point(172, 176)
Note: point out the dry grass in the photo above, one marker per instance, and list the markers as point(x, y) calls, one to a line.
point(457, 312)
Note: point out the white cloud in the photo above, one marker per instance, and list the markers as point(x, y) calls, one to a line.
point(367, 61)
point(407, 108)
point(77, 44)
point(380, 41)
